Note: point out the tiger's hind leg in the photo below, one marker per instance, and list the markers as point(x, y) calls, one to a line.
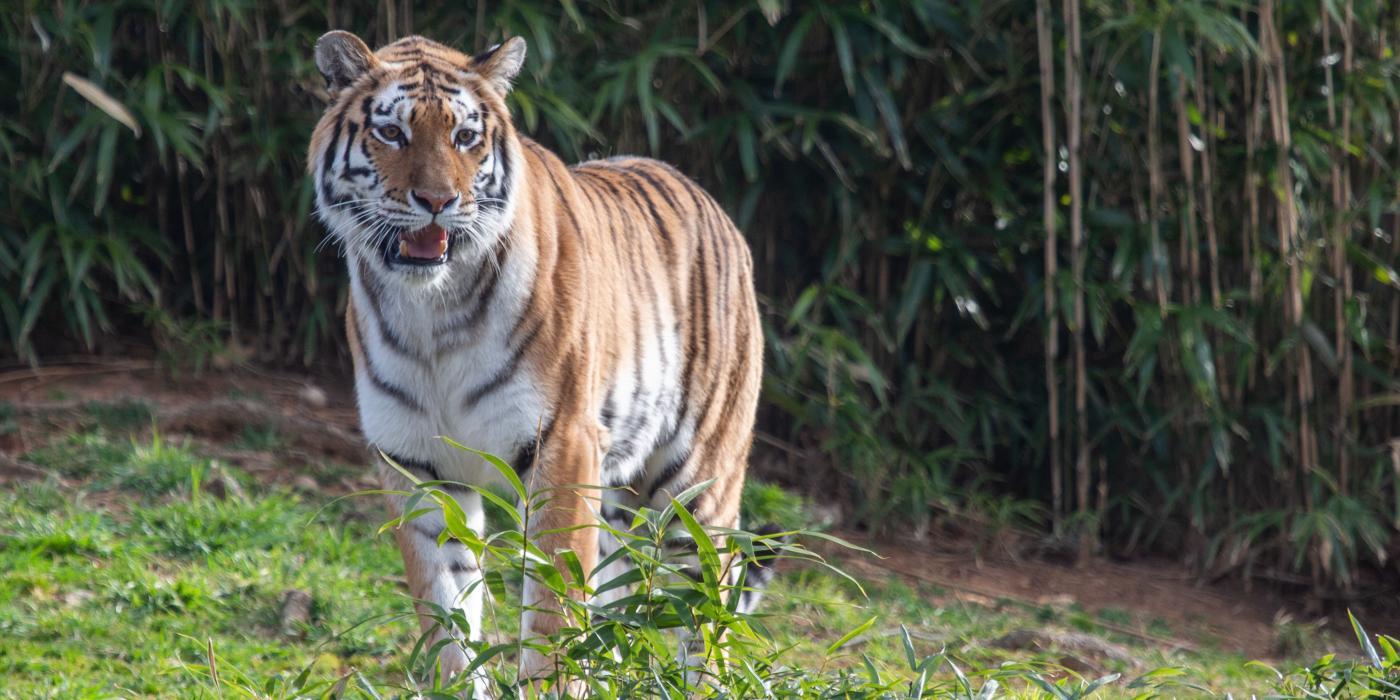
point(712, 440)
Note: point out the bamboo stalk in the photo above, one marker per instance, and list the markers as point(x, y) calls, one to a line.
point(1052, 333)
point(1346, 389)
point(1251, 240)
point(1334, 232)
point(1073, 128)
point(1155, 186)
point(1288, 239)
point(1211, 119)
point(1394, 335)
point(1190, 252)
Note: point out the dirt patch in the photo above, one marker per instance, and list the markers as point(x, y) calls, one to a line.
point(329, 398)
point(1154, 602)
point(312, 420)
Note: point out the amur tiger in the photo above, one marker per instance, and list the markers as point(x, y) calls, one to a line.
point(604, 312)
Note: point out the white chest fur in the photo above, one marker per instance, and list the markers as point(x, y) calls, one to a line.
point(422, 378)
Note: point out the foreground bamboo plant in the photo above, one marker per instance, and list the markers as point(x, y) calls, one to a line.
point(678, 632)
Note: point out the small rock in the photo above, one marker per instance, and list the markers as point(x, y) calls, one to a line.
point(306, 483)
point(221, 484)
point(296, 611)
point(313, 396)
point(1080, 666)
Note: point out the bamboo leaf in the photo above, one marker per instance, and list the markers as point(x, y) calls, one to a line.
point(852, 634)
point(103, 101)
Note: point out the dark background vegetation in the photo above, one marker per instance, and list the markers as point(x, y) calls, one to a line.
point(1147, 306)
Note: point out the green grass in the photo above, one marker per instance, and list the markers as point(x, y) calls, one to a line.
point(121, 582)
point(95, 601)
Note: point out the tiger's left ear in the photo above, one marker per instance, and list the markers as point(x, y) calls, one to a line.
point(501, 63)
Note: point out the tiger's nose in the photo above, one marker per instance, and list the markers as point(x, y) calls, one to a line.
point(434, 202)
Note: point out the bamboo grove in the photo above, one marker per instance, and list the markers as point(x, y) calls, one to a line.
point(1123, 272)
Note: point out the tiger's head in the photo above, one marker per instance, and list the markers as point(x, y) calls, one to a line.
point(413, 160)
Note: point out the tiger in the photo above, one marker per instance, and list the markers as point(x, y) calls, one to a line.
point(595, 324)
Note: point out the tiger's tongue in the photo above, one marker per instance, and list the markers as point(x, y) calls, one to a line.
point(427, 243)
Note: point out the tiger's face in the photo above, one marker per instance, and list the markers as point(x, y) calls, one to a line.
point(413, 160)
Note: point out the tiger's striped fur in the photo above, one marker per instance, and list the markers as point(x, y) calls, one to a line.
point(597, 322)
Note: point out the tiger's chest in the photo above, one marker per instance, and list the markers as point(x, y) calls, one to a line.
point(423, 375)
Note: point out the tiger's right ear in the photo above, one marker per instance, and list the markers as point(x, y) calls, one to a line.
point(342, 58)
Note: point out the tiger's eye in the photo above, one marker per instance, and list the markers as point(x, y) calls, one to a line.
point(389, 132)
point(466, 137)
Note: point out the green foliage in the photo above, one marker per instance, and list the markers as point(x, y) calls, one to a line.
point(766, 504)
point(629, 648)
point(100, 597)
point(1375, 675)
point(149, 468)
point(884, 159)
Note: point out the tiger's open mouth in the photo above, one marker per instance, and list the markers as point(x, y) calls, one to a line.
point(430, 245)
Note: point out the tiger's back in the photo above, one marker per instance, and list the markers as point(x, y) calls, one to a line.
point(678, 320)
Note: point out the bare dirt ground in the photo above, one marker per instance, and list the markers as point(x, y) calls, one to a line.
point(316, 416)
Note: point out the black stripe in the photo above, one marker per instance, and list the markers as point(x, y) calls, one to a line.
point(667, 475)
point(480, 296)
point(648, 271)
point(699, 313)
point(723, 324)
point(505, 372)
point(667, 252)
point(698, 326)
point(394, 392)
point(723, 254)
point(350, 142)
point(668, 245)
point(426, 531)
point(329, 197)
point(387, 333)
point(465, 293)
point(506, 165)
point(616, 517)
point(462, 566)
point(660, 189)
point(328, 158)
point(524, 458)
point(711, 393)
point(609, 412)
point(416, 465)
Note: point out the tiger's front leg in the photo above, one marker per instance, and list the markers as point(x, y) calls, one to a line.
point(446, 577)
point(569, 458)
